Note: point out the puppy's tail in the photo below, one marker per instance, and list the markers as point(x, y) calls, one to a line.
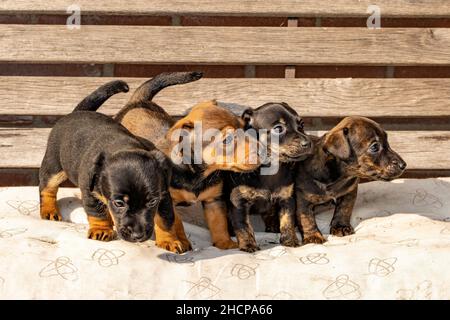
point(93, 101)
point(150, 88)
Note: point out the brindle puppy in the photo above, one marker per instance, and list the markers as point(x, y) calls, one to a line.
point(272, 196)
point(356, 148)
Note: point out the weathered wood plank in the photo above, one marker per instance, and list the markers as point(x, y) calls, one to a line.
point(224, 45)
point(422, 150)
point(287, 8)
point(25, 96)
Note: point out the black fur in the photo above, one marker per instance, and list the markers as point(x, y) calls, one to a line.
point(269, 195)
point(116, 172)
point(93, 101)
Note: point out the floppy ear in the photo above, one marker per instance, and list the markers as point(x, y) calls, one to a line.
point(165, 165)
point(181, 130)
point(247, 116)
point(337, 144)
point(95, 170)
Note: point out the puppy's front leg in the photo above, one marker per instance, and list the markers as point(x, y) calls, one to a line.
point(288, 237)
point(307, 222)
point(169, 230)
point(244, 232)
point(216, 218)
point(340, 224)
point(101, 226)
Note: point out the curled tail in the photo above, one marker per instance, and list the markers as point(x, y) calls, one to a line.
point(150, 88)
point(93, 101)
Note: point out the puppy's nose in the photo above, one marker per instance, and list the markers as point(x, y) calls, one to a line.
point(403, 165)
point(305, 144)
point(138, 236)
point(400, 163)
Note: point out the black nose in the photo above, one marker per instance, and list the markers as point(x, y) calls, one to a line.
point(130, 233)
point(400, 163)
point(305, 144)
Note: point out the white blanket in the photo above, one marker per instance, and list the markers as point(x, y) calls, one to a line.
point(401, 250)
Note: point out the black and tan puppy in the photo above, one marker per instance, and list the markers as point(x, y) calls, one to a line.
point(356, 148)
point(124, 180)
point(272, 195)
point(191, 182)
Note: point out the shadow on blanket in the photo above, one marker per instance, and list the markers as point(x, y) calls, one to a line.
point(376, 199)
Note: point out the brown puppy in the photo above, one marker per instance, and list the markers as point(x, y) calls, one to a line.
point(356, 148)
point(191, 182)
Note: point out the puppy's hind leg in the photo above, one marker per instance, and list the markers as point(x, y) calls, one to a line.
point(49, 181)
point(271, 221)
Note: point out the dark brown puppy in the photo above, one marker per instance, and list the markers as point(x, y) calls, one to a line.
point(190, 182)
point(270, 195)
point(356, 148)
point(115, 172)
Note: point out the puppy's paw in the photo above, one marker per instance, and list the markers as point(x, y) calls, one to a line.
point(291, 241)
point(340, 230)
point(101, 234)
point(186, 244)
point(315, 237)
point(174, 246)
point(249, 247)
point(226, 244)
point(52, 216)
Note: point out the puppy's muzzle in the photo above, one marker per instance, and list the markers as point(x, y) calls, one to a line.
point(306, 143)
point(135, 233)
point(395, 167)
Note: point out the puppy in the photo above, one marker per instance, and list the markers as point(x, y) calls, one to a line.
point(191, 182)
point(272, 196)
point(124, 180)
point(356, 148)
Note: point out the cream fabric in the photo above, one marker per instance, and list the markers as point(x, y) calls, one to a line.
point(401, 250)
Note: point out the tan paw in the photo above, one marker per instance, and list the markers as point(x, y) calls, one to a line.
point(174, 246)
point(226, 244)
point(52, 216)
point(101, 234)
point(315, 237)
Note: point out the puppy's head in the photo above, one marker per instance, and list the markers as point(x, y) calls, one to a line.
point(364, 146)
point(215, 140)
point(131, 185)
point(279, 120)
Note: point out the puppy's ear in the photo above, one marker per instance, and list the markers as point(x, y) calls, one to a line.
point(164, 163)
point(95, 170)
point(337, 144)
point(247, 117)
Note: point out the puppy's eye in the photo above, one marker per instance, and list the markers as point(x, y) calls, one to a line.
point(118, 203)
point(228, 139)
point(279, 129)
point(374, 147)
point(153, 203)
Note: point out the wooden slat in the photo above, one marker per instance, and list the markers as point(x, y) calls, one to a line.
point(26, 96)
point(224, 45)
point(24, 148)
point(292, 8)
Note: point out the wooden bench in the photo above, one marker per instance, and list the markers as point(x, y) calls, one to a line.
point(416, 111)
